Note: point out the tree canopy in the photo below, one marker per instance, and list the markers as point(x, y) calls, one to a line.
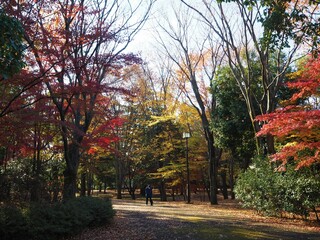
point(296, 123)
point(12, 46)
point(81, 111)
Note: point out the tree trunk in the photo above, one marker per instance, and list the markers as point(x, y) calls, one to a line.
point(83, 185)
point(172, 194)
point(132, 193)
point(213, 183)
point(163, 195)
point(206, 189)
point(89, 184)
point(70, 184)
point(105, 186)
point(119, 178)
point(224, 185)
point(36, 167)
point(231, 176)
point(72, 156)
point(270, 144)
point(213, 168)
point(55, 184)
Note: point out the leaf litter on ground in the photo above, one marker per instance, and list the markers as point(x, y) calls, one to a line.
point(199, 220)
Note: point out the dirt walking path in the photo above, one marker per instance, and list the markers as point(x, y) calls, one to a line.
point(177, 220)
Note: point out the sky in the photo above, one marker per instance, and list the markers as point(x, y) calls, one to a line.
point(144, 41)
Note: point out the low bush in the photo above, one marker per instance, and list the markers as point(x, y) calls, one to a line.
point(271, 192)
point(257, 188)
point(50, 222)
point(13, 224)
point(302, 191)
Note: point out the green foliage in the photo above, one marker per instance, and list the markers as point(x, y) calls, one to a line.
point(284, 22)
point(17, 179)
point(44, 221)
point(302, 191)
point(257, 188)
point(231, 125)
point(272, 192)
point(13, 224)
point(164, 146)
point(11, 45)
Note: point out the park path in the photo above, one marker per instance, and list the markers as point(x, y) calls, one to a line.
point(177, 220)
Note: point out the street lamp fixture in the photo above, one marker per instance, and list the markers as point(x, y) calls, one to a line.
point(187, 135)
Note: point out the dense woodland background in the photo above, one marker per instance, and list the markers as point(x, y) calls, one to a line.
point(80, 112)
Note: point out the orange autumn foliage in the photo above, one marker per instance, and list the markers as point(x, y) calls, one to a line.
point(297, 126)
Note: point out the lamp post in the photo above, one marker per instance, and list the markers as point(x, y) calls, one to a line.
point(187, 135)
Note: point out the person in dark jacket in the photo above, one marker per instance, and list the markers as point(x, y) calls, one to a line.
point(148, 191)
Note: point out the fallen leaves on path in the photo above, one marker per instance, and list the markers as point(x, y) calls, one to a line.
point(134, 221)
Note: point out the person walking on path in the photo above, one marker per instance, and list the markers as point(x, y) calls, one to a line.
point(149, 194)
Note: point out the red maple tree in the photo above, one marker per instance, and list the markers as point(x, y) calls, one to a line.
point(297, 124)
point(76, 48)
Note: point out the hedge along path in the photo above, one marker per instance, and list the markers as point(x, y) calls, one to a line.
point(177, 220)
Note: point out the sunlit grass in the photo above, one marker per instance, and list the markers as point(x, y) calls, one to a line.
point(191, 218)
point(222, 232)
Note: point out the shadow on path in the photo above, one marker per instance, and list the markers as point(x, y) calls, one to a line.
point(176, 220)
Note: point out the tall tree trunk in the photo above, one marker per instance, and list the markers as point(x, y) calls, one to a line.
point(213, 161)
point(69, 184)
point(36, 168)
point(119, 178)
point(72, 155)
point(231, 176)
point(213, 183)
point(212, 164)
point(224, 184)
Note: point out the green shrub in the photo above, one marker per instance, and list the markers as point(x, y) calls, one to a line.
point(13, 224)
point(99, 211)
point(302, 193)
point(257, 188)
point(50, 222)
point(271, 192)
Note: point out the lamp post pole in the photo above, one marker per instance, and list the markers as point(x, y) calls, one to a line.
point(186, 135)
